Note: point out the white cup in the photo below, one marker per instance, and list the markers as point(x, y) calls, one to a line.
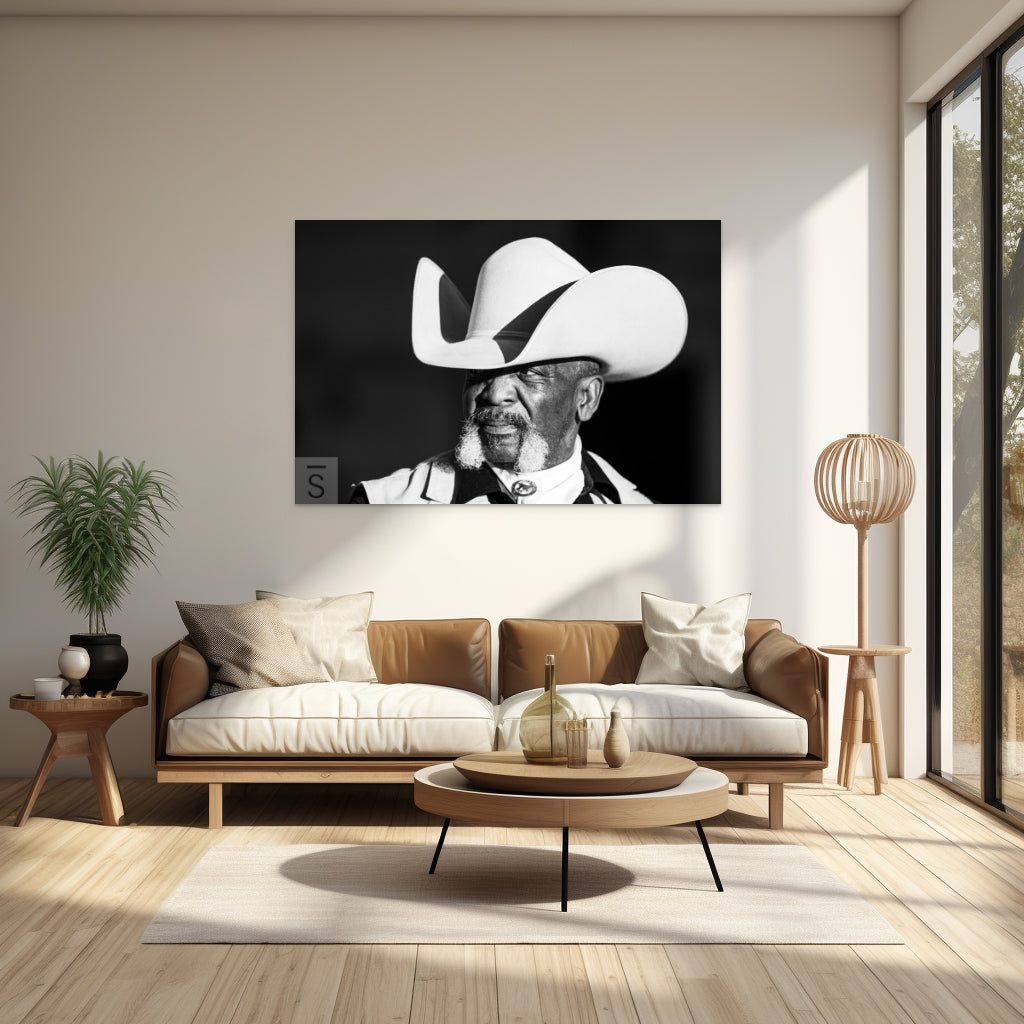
point(49, 688)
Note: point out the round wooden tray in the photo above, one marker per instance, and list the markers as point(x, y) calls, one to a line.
point(508, 771)
point(118, 699)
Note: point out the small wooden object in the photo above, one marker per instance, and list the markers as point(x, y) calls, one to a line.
point(507, 771)
point(862, 713)
point(78, 728)
point(616, 742)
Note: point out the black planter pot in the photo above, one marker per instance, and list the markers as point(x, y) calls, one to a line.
point(108, 661)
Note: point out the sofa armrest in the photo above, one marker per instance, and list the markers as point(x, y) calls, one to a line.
point(181, 679)
point(793, 675)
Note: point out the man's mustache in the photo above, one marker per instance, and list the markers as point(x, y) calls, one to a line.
point(498, 417)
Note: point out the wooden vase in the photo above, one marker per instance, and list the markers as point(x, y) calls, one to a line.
point(616, 743)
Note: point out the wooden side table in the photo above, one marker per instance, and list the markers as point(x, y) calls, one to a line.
point(78, 728)
point(862, 713)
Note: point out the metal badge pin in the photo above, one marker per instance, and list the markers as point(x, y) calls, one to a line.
point(524, 488)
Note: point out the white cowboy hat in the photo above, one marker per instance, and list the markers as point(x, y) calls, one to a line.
point(535, 304)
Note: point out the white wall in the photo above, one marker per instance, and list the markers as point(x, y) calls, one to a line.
point(152, 172)
point(939, 38)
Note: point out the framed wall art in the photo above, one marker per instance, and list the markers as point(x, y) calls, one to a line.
point(508, 362)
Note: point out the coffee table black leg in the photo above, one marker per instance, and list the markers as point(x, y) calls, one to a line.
point(707, 853)
point(440, 843)
point(565, 868)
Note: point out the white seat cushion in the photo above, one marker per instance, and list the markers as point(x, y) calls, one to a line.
point(692, 721)
point(339, 719)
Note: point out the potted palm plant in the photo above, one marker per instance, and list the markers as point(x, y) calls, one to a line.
point(96, 524)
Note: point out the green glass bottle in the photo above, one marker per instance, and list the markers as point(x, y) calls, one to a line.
point(542, 726)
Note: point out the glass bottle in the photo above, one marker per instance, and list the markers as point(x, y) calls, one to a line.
point(542, 726)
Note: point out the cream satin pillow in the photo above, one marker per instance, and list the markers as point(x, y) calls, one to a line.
point(249, 645)
point(330, 632)
point(692, 644)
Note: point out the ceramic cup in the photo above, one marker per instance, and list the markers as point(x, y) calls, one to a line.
point(49, 688)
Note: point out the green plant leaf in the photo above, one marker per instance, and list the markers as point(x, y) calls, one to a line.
point(94, 524)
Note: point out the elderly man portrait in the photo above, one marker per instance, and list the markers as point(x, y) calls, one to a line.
point(540, 342)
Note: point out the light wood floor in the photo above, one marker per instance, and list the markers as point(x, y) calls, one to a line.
point(75, 897)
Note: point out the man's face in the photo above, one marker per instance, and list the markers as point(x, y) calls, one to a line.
point(510, 410)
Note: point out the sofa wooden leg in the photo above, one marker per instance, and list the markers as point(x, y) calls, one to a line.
point(216, 805)
point(775, 804)
point(742, 788)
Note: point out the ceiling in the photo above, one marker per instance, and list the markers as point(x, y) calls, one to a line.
point(395, 8)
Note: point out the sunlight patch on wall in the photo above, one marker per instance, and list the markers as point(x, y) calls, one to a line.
point(475, 561)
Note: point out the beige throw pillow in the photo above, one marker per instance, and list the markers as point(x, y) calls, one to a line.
point(331, 632)
point(694, 644)
point(249, 644)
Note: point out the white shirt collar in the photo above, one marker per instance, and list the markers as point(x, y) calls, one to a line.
point(558, 485)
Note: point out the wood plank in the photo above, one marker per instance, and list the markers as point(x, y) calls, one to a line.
point(318, 993)
point(377, 985)
point(149, 985)
point(608, 985)
point(221, 999)
point(922, 996)
point(653, 988)
point(935, 965)
point(841, 987)
point(518, 988)
point(88, 950)
point(787, 983)
point(455, 985)
point(274, 987)
point(989, 878)
point(958, 819)
point(727, 984)
point(984, 946)
point(564, 991)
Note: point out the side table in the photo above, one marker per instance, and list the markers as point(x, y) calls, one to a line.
point(862, 714)
point(78, 728)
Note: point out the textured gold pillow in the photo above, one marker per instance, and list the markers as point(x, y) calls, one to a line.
point(249, 644)
point(330, 632)
point(691, 644)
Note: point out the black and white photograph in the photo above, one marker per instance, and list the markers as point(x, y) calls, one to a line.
point(542, 362)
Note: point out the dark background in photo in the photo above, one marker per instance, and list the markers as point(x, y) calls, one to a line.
point(362, 396)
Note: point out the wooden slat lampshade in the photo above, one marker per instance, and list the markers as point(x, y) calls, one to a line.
point(864, 479)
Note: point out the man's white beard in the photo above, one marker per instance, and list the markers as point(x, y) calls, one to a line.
point(533, 449)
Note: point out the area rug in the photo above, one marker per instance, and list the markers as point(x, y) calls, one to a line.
point(490, 894)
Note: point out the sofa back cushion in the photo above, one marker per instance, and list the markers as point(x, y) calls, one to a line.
point(446, 652)
point(585, 650)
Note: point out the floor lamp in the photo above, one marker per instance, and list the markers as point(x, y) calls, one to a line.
point(863, 480)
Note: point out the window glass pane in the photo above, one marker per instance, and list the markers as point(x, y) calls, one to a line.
point(961, 440)
point(1012, 749)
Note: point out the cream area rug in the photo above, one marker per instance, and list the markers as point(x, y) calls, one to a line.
point(490, 894)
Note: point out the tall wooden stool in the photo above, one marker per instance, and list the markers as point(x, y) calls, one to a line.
point(862, 713)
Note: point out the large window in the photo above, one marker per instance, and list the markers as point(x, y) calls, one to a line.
point(976, 245)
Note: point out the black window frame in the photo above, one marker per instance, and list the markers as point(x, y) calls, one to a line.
point(989, 66)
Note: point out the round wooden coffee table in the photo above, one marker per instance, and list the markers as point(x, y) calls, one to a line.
point(441, 789)
point(78, 728)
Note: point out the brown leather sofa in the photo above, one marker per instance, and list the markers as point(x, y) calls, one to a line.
point(457, 653)
point(443, 652)
point(778, 668)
